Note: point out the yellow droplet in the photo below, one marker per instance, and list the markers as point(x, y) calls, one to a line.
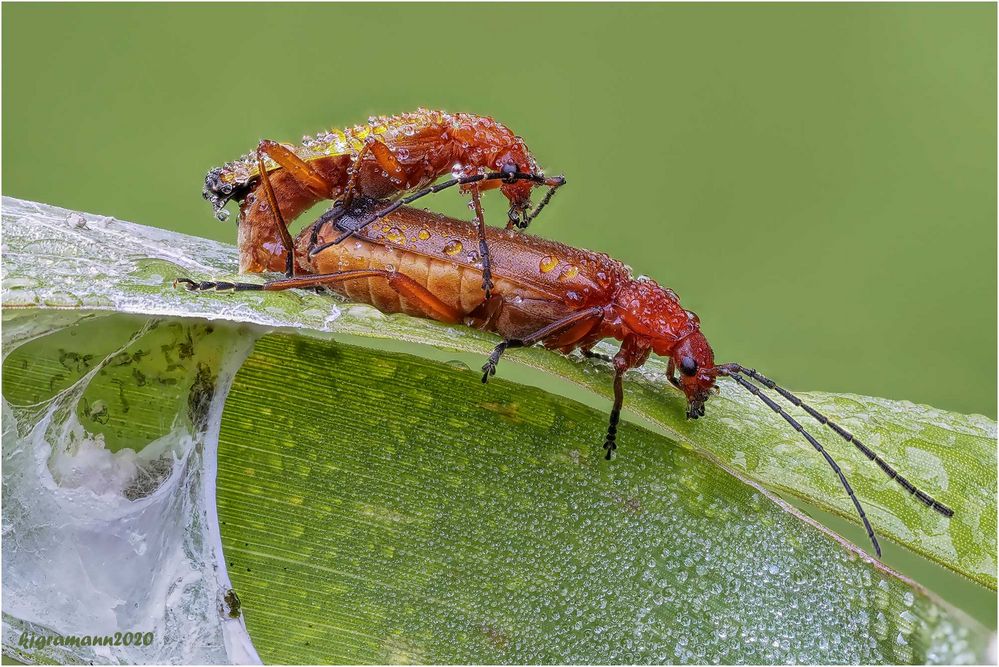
point(424, 235)
point(548, 263)
point(569, 272)
point(385, 228)
point(453, 247)
point(395, 235)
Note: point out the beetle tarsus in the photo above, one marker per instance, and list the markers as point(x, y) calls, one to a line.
point(590, 354)
point(489, 368)
point(610, 445)
point(487, 283)
point(524, 221)
point(215, 285)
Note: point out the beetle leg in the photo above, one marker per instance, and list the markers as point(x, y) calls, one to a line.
point(671, 373)
point(387, 160)
point(590, 354)
point(355, 168)
point(277, 219)
point(215, 285)
point(303, 173)
point(487, 276)
point(553, 185)
point(401, 283)
point(409, 199)
point(610, 442)
point(594, 315)
point(633, 353)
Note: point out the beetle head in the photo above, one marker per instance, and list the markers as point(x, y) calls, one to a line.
point(695, 364)
point(512, 159)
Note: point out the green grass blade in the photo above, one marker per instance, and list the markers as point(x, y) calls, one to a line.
point(113, 264)
point(383, 507)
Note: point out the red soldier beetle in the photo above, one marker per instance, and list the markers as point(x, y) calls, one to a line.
point(545, 292)
point(383, 160)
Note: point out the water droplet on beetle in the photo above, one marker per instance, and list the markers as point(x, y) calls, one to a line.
point(452, 247)
point(569, 273)
point(548, 263)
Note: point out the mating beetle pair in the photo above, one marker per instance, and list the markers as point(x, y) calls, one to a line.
point(526, 289)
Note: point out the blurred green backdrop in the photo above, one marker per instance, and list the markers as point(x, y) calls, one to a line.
point(817, 181)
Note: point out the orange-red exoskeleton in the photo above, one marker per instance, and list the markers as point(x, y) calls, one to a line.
point(545, 292)
point(383, 160)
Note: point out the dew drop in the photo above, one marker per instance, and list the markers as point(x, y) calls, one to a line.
point(76, 220)
point(548, 263)
point(395, 235)
point(424, 234)
point(568, 273)
point(452, 247)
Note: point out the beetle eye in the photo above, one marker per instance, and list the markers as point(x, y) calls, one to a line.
point(688, 366)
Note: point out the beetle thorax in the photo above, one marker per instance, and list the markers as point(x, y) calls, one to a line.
point(651, 311)
point(482, 142)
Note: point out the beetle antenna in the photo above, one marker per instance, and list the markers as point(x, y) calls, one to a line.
point(464, 180)
point(923, 497)
point(732, 371)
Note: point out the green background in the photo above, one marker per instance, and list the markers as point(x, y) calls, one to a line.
point(818, 182)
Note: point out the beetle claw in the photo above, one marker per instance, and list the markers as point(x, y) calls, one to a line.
point(610, 446)
point(488, 369)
